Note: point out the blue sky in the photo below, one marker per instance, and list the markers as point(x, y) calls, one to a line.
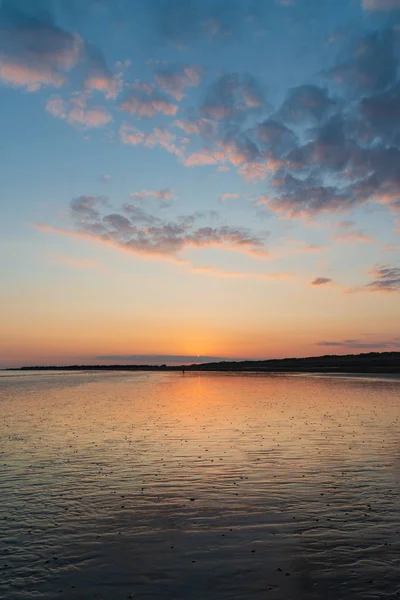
point(183, 177)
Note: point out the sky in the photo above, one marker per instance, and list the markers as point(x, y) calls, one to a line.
point(186, 178)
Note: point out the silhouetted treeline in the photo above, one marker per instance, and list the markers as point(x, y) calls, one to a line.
point(372, 362)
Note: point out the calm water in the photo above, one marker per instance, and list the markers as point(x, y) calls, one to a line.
point(203, 486)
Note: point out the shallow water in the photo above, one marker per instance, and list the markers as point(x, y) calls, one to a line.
point(202, 486)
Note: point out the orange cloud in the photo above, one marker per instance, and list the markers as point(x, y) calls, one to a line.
point(353, 236)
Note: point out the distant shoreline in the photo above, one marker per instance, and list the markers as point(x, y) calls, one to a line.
point(378, 363)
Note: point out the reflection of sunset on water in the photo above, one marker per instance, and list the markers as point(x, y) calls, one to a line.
point(205, 477)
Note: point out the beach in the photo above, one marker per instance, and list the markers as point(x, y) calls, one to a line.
point(163, 485)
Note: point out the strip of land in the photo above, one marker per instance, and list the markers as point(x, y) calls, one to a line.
point(370, 363)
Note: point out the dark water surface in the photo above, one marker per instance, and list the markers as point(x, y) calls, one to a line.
point(203, 486)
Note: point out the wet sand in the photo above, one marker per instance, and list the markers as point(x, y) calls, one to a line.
point(207, 485)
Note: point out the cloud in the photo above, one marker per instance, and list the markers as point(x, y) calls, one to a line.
point(205, 156)
point(386, 279)
point(182, 21)
point(158, 137)
point(99, 77)
point(136, 230)
point(76, 113)
point(275, 136)
point(145, 101)
point(321, 281)
point(34, 51)
point(372, 64)
point(381, 5)
point(358, 344)
point(233, 96)
point(164, 194)
point(305, 103)
point(346, 224)
point(173, 79)
point(380, 115)
point(353, 236)
point(199, 126)
point(255, 171)
point(223, 197)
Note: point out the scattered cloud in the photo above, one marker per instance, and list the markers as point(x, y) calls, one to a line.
point(99, 77)
point(136, 230)
point(145, 101)
point(76, 113)
point(158, 137)
point(200, 126)
point(321, 281)
point(164, 194)
point(205, 156)
point(173, 79)
point(386, 279)
point(353, 237)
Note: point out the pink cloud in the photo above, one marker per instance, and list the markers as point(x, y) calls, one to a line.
point(158, 137)
point(76, 113)
point(31, 77)
point(164, 194)
point(204, 157)
point(353, 236)
point(103, 82)
point(223, 197)
point(147, 103)
point(38, 57)
point(201, 126)
point(254, 171)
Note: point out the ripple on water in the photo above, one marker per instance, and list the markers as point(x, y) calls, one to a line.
point(205, 486)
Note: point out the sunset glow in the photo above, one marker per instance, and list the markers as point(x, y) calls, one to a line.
point(212, 179)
